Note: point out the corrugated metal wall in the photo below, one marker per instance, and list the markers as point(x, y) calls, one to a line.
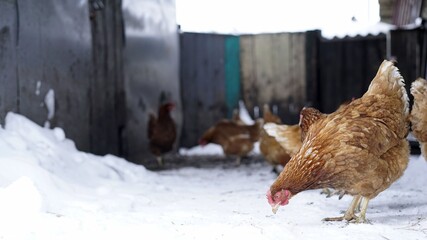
point(47, 46)
point(107, 113)
point(151, 69)
point(9, 100)
point(106, 80)
point(273, 70)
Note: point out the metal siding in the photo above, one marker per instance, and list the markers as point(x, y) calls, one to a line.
point(107, 93)
point(54, 49)
point(406, 12)
point(151, 70)
point(8, 64)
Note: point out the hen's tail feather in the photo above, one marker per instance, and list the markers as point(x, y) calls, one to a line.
point(281, 134)
point(389, 81)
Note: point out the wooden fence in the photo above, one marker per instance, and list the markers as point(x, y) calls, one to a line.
point(346, 67)
point(274, 70)
point(285, 70)
point(409, 49)
point(210, 84)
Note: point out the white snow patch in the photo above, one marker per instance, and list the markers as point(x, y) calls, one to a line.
point(38, 85)
point(49, 101)
point(208, 149)
point(244, 114)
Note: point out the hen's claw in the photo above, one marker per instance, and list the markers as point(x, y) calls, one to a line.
point(347, 217)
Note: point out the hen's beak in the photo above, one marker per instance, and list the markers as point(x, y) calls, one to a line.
point(275, 208)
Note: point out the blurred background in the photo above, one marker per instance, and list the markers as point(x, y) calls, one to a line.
point(98, 68)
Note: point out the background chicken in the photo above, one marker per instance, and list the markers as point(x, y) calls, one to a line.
point(161, 131)
point(419, 113)
point(235, 139)
point(360, 149)
point(273, 152)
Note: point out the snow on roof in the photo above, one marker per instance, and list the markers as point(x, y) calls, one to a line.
point(356, 29)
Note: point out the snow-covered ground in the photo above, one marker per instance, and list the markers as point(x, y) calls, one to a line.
point(49, 190)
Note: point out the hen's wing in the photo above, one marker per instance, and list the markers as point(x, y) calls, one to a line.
point(152, 122)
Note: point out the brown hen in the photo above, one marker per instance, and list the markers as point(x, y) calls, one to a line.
point(360, 149)
point(161, 132)
point(235, 139)
point(419, 113)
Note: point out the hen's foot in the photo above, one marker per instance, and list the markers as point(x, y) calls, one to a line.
point(238, 161)
point(361, 219)
point(327, 192)
point(159, 161)
point(347, 217)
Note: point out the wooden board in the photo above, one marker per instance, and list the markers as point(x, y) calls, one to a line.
point(203, 82)
point(274, 73)
point(346, 68)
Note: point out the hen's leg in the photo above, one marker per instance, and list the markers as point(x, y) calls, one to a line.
point(363, 208)
point(159, 160)
point(349, 214)
point(238, 160)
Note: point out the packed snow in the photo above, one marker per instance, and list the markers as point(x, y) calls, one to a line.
point(49, 101)
point(50, 190)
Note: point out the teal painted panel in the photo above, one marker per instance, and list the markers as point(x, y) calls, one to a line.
point(232, 73)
